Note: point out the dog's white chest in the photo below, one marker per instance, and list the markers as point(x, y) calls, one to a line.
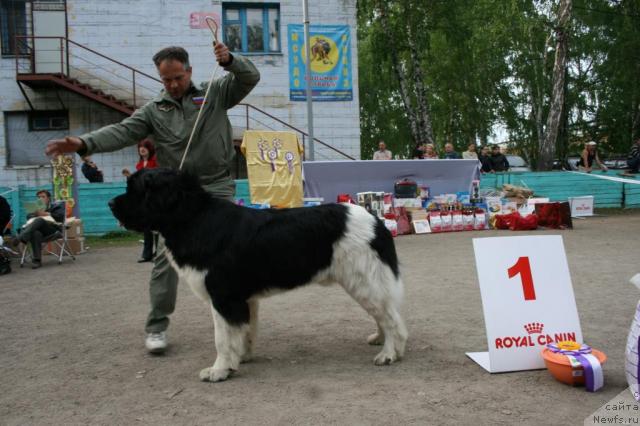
point(193, 277)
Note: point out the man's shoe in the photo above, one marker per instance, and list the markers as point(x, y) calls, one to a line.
point(145, 259)
point(36, 264)
point(156, 343)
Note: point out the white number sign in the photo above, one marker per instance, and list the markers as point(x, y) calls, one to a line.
point(527, 299)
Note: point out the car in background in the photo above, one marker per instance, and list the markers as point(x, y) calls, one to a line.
point(517, 164)
point(616, 162)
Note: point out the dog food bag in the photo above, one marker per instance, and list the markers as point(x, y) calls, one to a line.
point(467, 220)
point(457, 223)
point(392, 226)
point(480, 222)
point(447, 221)
point(435, 221)
point(632, 354)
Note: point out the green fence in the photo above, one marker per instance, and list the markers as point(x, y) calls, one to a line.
point(558, 186)
point(93, 198)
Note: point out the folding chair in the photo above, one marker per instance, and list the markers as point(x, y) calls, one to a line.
point(3, 247)
point(61, 246)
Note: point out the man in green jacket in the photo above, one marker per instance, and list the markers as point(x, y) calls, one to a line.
point(168, 119)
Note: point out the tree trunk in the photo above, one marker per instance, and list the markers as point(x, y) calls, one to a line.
point(402, 79)
point(547, 149)
point(424, 121)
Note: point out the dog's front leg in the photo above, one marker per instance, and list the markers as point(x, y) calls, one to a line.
point(250, 336)
point(230, 346)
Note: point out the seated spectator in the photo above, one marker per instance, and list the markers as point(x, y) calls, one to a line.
point(418, 152)
point(382, 153)
point(498, 161)
point(470, 153)
point(91, 171)
point(430, 151)
point(588, 156)
point(42, 223)
point(633, 160)
point(485, 160)
point(450, 153)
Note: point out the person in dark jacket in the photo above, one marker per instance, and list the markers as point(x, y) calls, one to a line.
point(485, 160)
point(42, 223)
point(5, 214)
point(91, 171)
point(498, 161)
point(633, 160)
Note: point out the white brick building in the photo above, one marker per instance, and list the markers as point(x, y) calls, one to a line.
point(130, 33)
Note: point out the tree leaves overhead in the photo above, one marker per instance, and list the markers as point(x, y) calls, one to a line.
point(486, 74)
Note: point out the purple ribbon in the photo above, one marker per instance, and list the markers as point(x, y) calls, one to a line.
point(638, 362)
point(584, 362)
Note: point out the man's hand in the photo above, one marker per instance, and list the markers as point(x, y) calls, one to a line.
point(57, 147)
point(222, 53)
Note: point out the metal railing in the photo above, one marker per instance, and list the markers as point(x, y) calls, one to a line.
point(63, 57)
point(248, 108)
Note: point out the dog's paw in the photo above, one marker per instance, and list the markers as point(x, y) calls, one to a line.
point(210, 375)
point(247, 357)
point(375, 339)
point(385, 358)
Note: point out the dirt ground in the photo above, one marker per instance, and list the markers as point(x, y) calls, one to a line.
point(71, 345)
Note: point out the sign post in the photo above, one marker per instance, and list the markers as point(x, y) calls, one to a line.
point(527, 299)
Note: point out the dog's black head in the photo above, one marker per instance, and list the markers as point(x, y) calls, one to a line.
point(156, 198)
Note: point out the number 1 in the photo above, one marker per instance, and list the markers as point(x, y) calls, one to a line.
point(523, 268)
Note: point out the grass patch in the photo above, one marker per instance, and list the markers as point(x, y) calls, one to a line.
point(114, 239)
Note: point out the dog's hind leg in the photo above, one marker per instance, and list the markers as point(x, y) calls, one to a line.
point(230, 342)
point(380, 294)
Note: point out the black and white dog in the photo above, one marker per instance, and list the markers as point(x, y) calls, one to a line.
point(231, 256)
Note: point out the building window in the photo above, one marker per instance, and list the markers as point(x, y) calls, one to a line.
point(24, 145)
point(13, 22)
point(48, 120)
point(251, 27)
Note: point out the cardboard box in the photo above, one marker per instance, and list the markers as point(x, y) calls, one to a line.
point(581, 206)
point(76, 245)
point(407, 202)
point(372, 201)
point(74, 228)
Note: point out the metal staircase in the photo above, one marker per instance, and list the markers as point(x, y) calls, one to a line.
point(56, 62)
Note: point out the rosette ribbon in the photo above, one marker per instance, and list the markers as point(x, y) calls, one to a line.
point(581, 355)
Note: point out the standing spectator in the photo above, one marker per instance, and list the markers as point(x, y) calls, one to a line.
point(91, 171)
point(450, 153)
point(382, 153)
point(470, 153)
point(147, 153)
point(430, 151)
point(633, 160)
point(485, 160)
point(418, 152)
point(588, 156)
point(498, 161)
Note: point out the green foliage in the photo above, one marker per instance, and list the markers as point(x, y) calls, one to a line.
point(488, 64)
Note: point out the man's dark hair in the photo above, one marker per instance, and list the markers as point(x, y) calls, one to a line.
point(172, 53)
point(44, 191)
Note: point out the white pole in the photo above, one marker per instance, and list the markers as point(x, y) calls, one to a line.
point(307, 47)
